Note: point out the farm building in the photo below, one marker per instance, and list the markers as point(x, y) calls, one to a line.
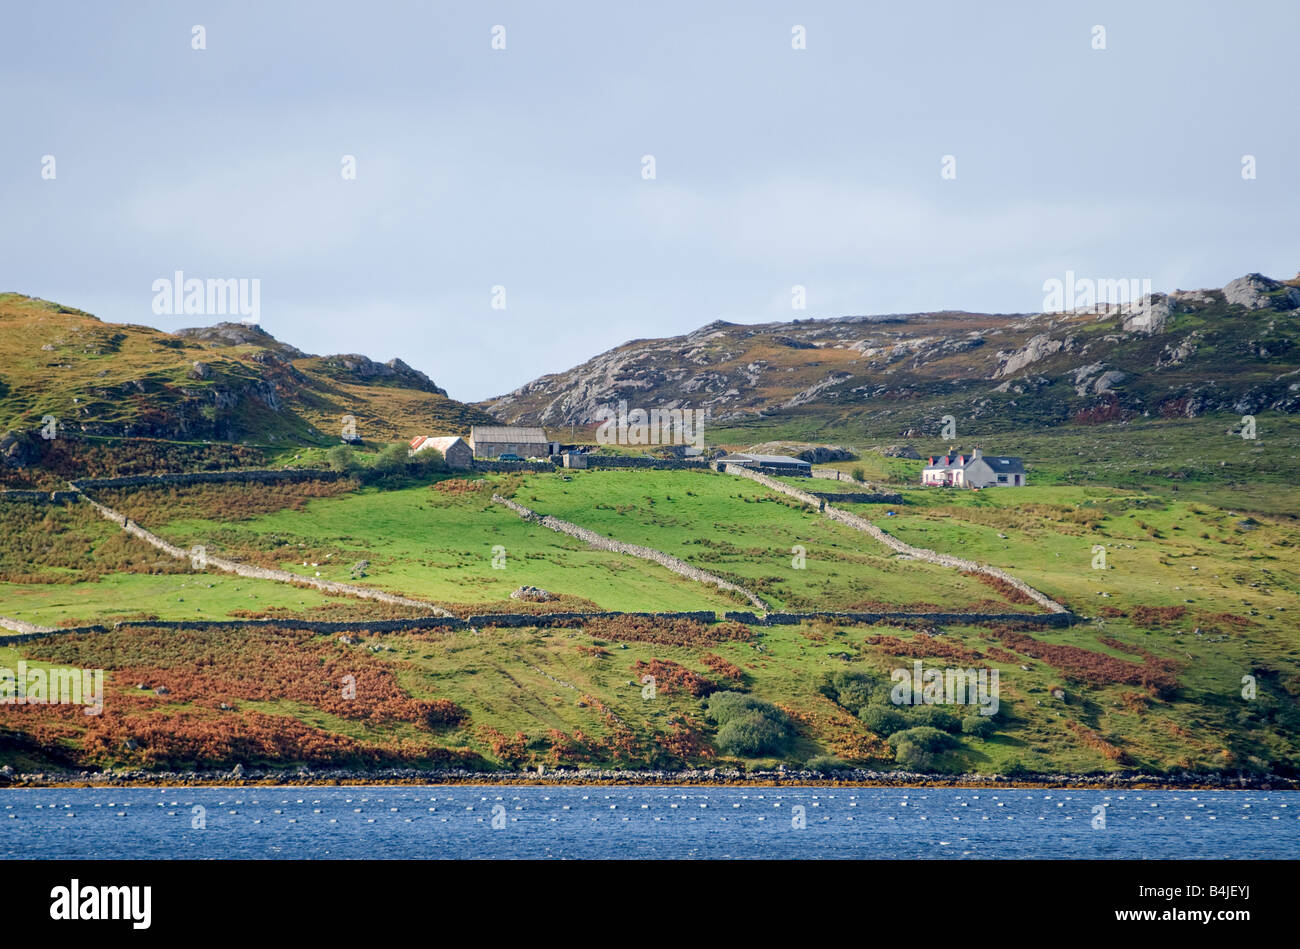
point(769, 464)
point(454, 450)
point(975, 470)
point(492, 441)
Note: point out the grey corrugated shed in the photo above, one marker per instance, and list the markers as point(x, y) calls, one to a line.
point(507, 433)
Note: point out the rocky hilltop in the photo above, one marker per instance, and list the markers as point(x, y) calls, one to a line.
point(1181, 353)
point(227, 382)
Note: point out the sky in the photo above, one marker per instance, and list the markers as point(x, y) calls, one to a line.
point(523, 168)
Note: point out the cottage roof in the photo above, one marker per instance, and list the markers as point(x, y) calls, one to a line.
point(1001, 464)
point(440, 442)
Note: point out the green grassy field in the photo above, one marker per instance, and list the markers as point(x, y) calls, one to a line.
point(139, 596)
point(441, 547)
point(1194, 608)
point(748, 534)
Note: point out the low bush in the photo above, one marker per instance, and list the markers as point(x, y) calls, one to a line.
point(980, 726)
point(748, 726)
point(884, 720)
point(918, 748)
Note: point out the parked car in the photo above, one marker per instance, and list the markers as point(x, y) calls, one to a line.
point(508, 456)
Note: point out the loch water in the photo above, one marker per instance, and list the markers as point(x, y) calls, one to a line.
point(584, 822)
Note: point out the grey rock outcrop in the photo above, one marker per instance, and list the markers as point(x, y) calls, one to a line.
point(1256, 292)
point(1038, 347)
point(1148, 315)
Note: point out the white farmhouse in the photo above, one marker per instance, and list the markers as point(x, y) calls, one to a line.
point(975, 470)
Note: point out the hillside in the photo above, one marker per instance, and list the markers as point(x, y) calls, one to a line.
point(1182, 354)
point(229, 382)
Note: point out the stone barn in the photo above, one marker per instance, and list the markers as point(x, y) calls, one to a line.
point(493, 441)
point(455, 451)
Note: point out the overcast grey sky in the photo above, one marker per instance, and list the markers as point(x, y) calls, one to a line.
point(522, 167)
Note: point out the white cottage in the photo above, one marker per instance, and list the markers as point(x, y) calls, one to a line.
point(975, 470)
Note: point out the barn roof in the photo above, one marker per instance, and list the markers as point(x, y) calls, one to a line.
point(507, 433)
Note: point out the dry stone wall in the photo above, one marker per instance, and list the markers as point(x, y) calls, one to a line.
point(893, 543)
point(21, 626)
point(640, 461)
point(39, 497)
point(868, 619)
point(29, 632)
point(258, 573)
point(601, 542)
point(249, 475)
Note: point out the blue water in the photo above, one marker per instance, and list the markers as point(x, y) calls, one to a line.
point(643, 822)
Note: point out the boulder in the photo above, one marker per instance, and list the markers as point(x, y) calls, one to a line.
point(1039, 347)
point(1148, 315)
point(1256, 292)
point(1107, 381)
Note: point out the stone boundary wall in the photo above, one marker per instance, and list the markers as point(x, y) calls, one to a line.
point(833, 474)
point(858, 497)
point(893, 543)
point(247, 475)
point(508, 466)
point(258, 573)
point(518, 620)
point(601, 542)
point(508, 620)
point(791, 619)
point(40, 497)
point(21, 626)
point(638, 461)
point(596, 461)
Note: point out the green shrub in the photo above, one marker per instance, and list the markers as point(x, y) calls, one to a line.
point(883, 719)
point(342, 459)
point(859, 474)
point(748, 726)
point(722, 707)
point(751, 735)
point(394, 465)
point(981, 726)
point(934, 716)
point(850, 689)
point(918, 748)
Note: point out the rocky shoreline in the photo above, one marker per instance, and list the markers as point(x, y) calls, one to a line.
point(711, 777)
